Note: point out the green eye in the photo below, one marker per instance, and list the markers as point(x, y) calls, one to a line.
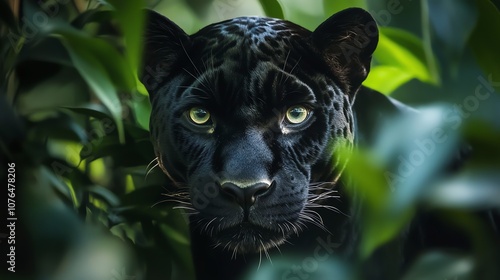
point(199, 115)
point(296, 114)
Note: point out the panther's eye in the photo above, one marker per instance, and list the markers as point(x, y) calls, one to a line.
point(297, 114)
point(199, 115)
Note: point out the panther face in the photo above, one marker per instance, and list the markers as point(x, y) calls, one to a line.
point(247, 115)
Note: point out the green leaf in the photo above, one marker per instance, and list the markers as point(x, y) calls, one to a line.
point(131, 30)
point(89, 16)
point(386, 78)
point(440, 265)
point(430, 59)
point(101, 66)
point(402, 50)
point(179, 244)
point(47, 49)
point(58, 184)
point(446, 17)
point(61, 126)
point(134, 152)
point(105, 194)
point(272, 8)
point(45, 96)
point(91, 110)
point(142, 111)
point(413, 159)
point(474, 190)
point(398, 171)
point(484, 40)
point(174, 234)
point(379, 222)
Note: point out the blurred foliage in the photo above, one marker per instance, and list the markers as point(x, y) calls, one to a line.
point(74, 118)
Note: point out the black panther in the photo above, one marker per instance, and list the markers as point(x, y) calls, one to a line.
point(247, 117)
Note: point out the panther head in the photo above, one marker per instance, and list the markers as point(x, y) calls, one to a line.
point(247, 115)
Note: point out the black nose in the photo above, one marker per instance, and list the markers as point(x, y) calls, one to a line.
point(245, 196)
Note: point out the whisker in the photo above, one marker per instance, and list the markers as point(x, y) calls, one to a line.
point(151, 162)
point(284, 67)
point(276, 246)
point(170, 200)
point(265, 250)
point(193, 87)
point(314, 218)
point(293, 68)
point(260, 260)
point(148, 169)
point(185, 208)
point(196, 78)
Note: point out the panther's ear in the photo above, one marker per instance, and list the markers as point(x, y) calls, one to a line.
point(346, 41)
point(164, 43)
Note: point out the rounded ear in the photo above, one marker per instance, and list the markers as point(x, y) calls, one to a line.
point(164, 43)
point(346, 42)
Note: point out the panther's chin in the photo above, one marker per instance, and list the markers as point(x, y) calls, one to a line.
point(249, 238)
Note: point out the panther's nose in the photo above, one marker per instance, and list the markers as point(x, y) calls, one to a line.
point(245, 196)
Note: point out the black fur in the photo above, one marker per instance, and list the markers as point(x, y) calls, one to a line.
point(253, 182)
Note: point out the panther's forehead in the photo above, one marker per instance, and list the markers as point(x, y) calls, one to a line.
point(253, 29)
point(247, 61)
point(249, 38)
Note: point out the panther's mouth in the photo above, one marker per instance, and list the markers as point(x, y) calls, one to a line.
point(247, 237)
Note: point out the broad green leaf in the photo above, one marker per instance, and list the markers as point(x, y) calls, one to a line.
point(108, 58)
point(97, 171)
point(414, 158)
point(179, 243)
point(97, 78)
point(61, 126)
point(399, 170)
point(132, 30)
point(174, 234)
point(285, 267)
point(101, 66)
point(134, 152)
point(379, 222)
point(142, 111)
point(58, 184)
point(93, 15)
point(97, 256)
point(400, 49)
point(272, 8)
point(48, 49)
point(484, 40)
point(446, 17)
point(386, 79)
point(105, 194)
point(475, 189)
point(91, 110)
point(45, 96)
point(430, 59)
point(439, 265)
point(136, 132)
